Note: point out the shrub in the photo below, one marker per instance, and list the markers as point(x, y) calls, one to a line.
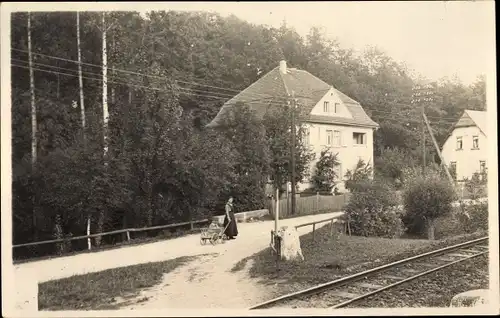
point(324, 174)
point(448, 226)
point(361, 173)
point(475, 187)
point(372, 211)
point(425, 200)
point(474, 217)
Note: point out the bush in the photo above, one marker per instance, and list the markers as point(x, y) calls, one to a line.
point(474, 217)
point(372, 211)
point(361, 173)
point(425, 200)
point(448, 226)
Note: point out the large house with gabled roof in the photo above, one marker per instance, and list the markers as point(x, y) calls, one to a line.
point(466, 149)
point(332, 119)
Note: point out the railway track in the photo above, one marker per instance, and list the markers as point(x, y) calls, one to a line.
point(348, 290)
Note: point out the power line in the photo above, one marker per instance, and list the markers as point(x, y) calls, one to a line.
point(402, 116)
point(97, 74)
point(202, 94)
point(140, 74)
point(441, 118)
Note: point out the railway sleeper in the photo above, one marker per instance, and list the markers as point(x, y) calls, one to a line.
point(345, 295)
point(368, 285)
point(428, 265)
point(393, 277)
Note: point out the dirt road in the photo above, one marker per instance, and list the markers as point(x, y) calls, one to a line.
point(207, 283)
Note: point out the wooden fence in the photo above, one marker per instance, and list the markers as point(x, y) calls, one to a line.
point(310, 205)
point(332, 221)
point(128, 232)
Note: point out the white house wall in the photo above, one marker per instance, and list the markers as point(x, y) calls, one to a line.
point(348, 152)
point(467, 159)
point(331, 97)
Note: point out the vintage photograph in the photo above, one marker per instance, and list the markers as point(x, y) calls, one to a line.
point(253, 156)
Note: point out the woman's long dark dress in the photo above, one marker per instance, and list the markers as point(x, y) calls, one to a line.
point(232, 229)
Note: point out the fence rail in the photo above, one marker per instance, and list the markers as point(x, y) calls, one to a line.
point(310, 205)
point(331, 220)
point(68, 239)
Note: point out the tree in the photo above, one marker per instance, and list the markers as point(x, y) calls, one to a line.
point(277, 123)
point(361, 173)
point(324, 176)
point(391, 163)
point(246, 133)
point(427, 199)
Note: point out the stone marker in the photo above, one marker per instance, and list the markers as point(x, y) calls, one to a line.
point(290, 244)
point(471, 298)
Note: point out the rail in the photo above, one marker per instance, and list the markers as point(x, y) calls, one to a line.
point(361, 275)
point(331, 220)
point(127, 231)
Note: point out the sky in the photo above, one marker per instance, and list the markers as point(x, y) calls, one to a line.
point(436, 39)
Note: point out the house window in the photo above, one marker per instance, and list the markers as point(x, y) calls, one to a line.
point(329, 137)
point(482, 166)
point(326, 107)
point(359, 138)
point(475, 142)
point(459, 143)
point(336, 138)
point(336, 109)
point(453, 169)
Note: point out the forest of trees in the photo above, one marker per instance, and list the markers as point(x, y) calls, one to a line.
point(168, 75)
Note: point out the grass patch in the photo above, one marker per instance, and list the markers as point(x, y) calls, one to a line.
point(97, 291)
point(328, 258)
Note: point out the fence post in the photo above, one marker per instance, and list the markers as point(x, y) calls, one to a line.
point(331, 227)
point(128, 236)
point(314, 228)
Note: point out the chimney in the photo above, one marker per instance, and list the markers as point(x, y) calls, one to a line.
point(283, 67)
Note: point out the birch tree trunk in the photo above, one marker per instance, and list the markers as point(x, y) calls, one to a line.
point(105, 117)
point(82, 104)
point(34, 133)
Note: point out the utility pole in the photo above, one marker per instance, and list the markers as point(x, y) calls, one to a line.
point(443, 164)
point(293, 104)
point(422, 95)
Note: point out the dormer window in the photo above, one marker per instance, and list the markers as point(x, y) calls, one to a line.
point(326, 107)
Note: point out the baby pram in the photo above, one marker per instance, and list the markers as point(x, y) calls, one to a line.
point(214, 233)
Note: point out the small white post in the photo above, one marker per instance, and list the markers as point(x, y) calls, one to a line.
point(277, 212)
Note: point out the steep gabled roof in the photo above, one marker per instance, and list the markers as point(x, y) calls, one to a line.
point(274, 87)
point(473, 118)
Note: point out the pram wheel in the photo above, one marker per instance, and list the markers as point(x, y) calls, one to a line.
point(214, 239)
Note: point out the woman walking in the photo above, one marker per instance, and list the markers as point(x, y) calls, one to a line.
point(231, 230)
